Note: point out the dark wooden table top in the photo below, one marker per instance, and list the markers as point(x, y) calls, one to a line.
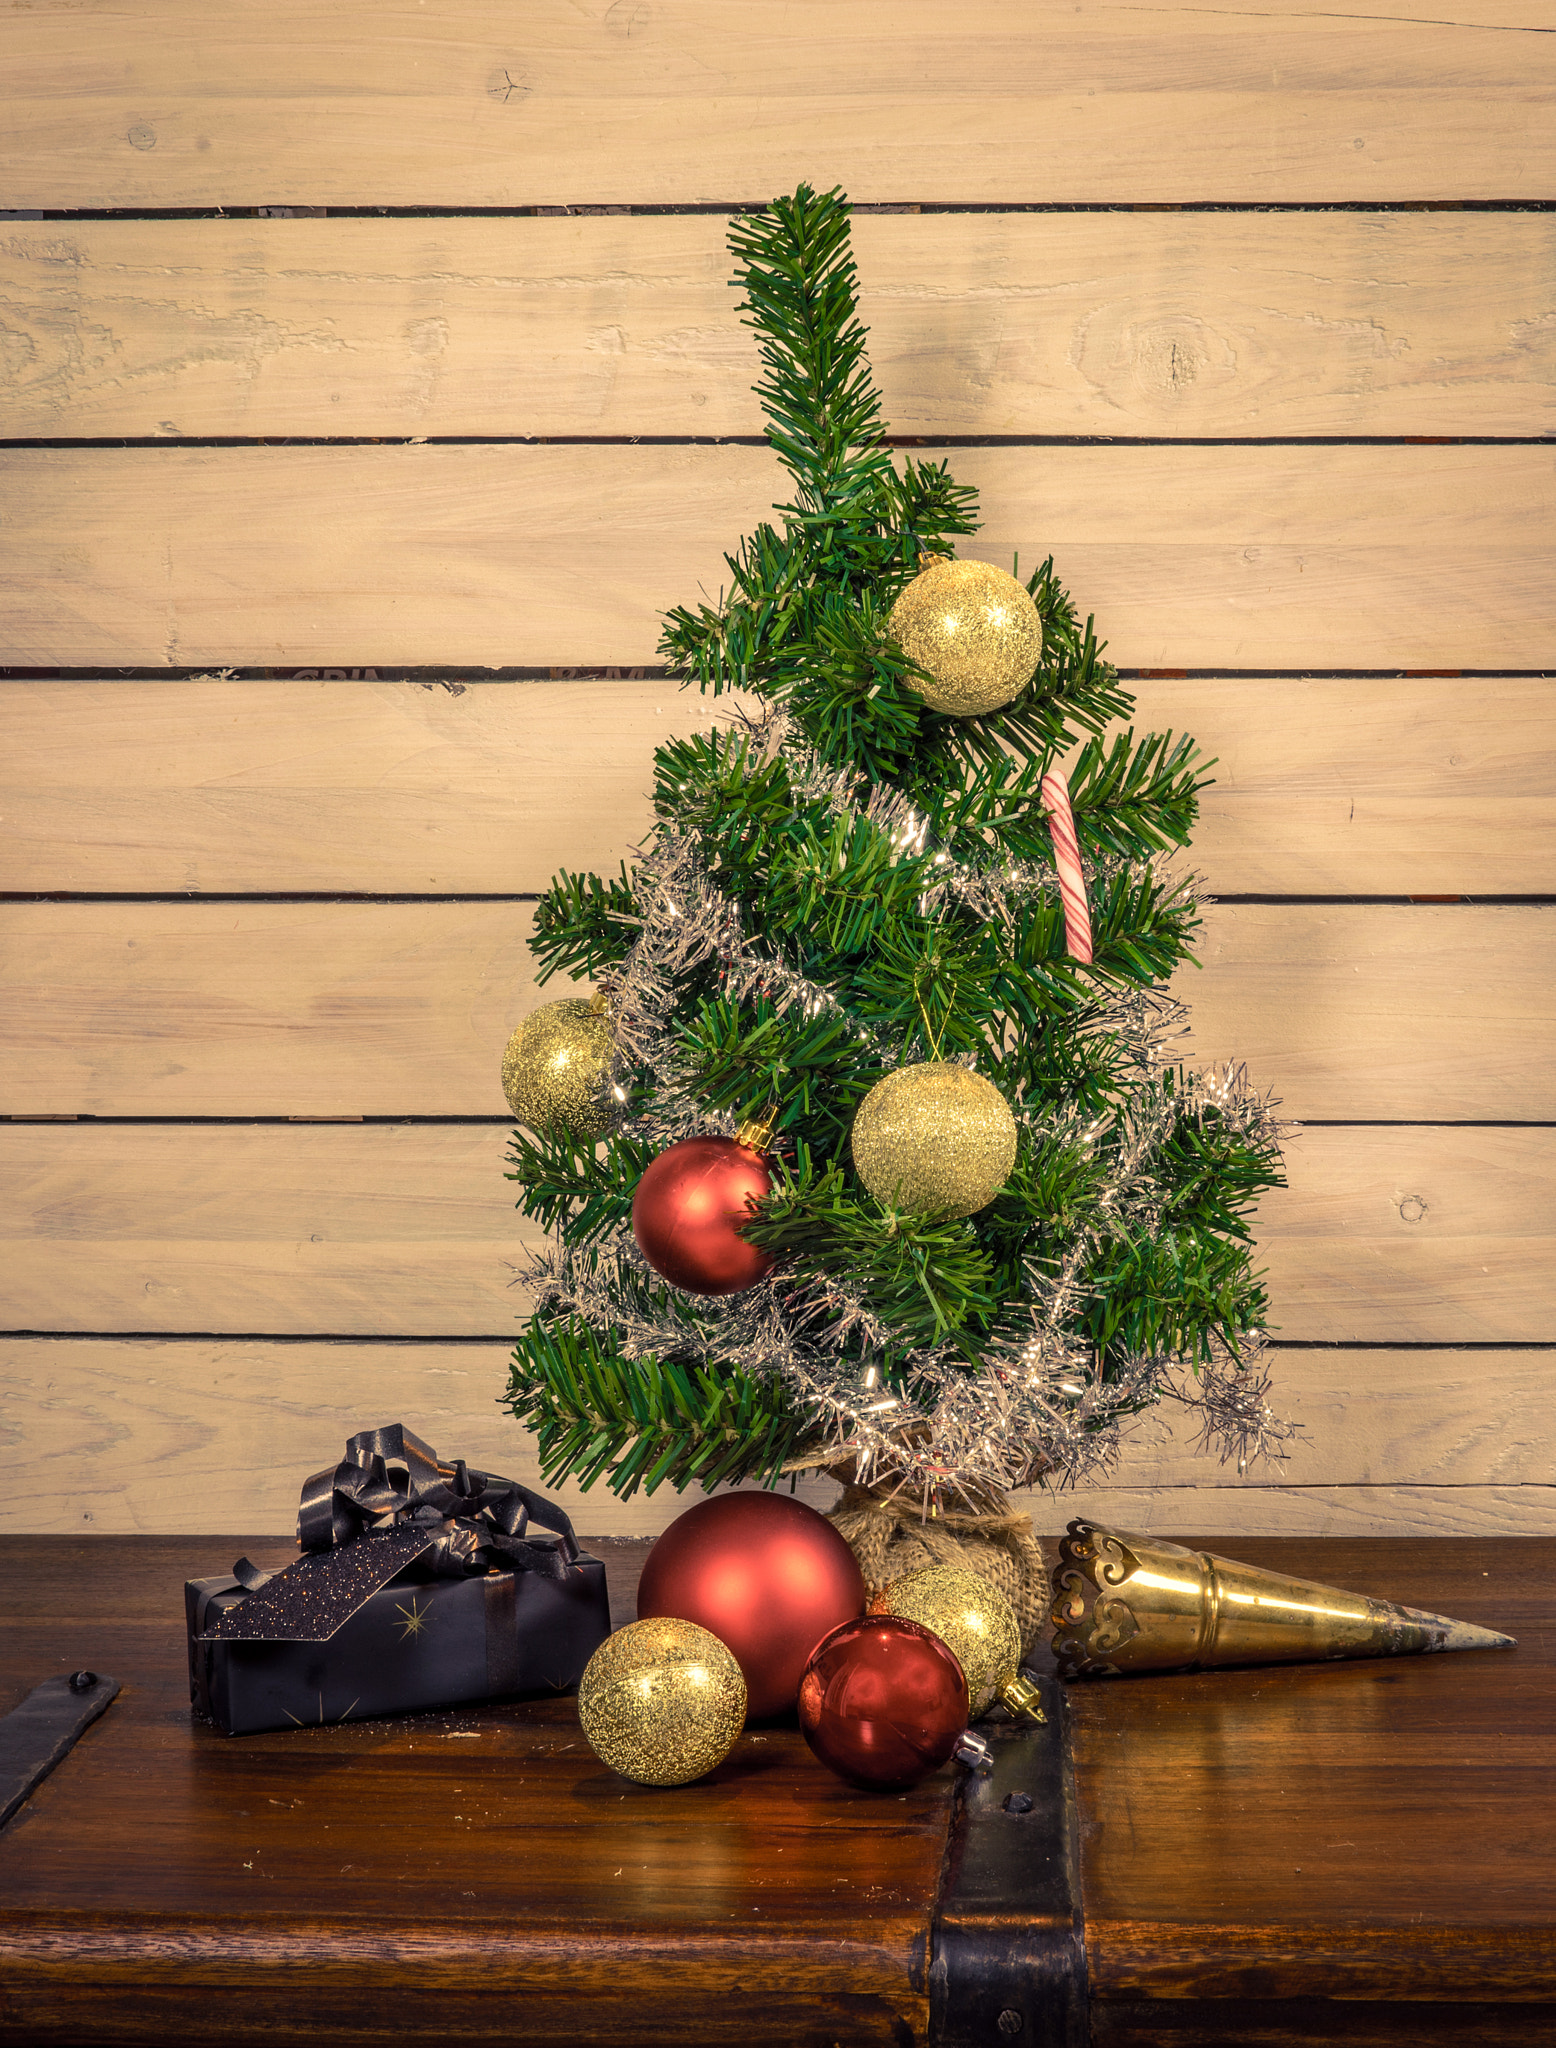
point(1357, 1852)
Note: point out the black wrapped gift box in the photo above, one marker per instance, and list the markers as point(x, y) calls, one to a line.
point(414, 1645)
point(418, 1587)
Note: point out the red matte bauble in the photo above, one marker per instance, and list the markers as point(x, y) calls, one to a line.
point(768, 1575)
point(687, 1213)
point(883, 1702)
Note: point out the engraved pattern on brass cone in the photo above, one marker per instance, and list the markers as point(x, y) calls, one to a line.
point(557, 1070)
point(974, 629)
point(934, 1138)
point(973, 1619)
point(1125, 1602)
point(662, 1702)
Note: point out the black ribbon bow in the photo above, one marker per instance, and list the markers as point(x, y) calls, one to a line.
point(391, 1502)
point(473, 1519)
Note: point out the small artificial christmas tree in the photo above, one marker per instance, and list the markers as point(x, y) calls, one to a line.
point(851, 890)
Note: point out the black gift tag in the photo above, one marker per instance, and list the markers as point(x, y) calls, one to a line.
point(318, 1594)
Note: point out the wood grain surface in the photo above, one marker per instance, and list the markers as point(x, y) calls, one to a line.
point(125, 1435)
point(1262, 1506)
point(1261, 271)
point(1361, 1852)
point(387, 1229)
point(689, 100)
point(1222, 557)
point(403, 1009)
point(374, 786)
point(1412, 1235)
point(1386, 1235)
point(484, 1872)
point(1320, 785)
point(1283, 1855)
point(1262, 324)
point(130, 1435)
point(1312, 997)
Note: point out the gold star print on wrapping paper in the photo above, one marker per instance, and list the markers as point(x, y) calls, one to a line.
point(415, 1621)
point(322, 1723)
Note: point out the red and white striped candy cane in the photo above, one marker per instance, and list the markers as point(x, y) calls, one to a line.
point(1067, 858)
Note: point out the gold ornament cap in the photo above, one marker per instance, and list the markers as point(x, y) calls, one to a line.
point(1021, 1698)
point(1124, 1603)
point(756, 1132)
point(934, 1139)
point(558, 1070)
point(662, 1702)
point(974, 629)
point(978, 1626)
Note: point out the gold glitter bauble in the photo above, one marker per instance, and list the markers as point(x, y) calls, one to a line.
point(934, 1138)
point(975, 629)
point(662, 1702)
point(556, 1072)
point(973, 1619)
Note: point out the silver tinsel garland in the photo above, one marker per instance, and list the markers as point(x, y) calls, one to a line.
point(1037, 1409)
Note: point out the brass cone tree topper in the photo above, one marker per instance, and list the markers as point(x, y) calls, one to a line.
point(1135, 1603)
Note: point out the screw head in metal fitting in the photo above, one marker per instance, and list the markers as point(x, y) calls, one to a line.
point(82, 1681)
point(1009, 2021)
point(1017, 1802)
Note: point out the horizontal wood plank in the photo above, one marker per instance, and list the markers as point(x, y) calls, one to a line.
point(1218, 557)
point(382, 1230)
point(403, 1009)
point(379, 787)
point(261, 1009)
point(1366, 1011)
point(120, 1436)
point(1114, 323)
point(1389, 786)
point(1412, 1235)
point(1390, 1236)
point(1373, 1417)
point(141, 1435)
point(1383, 786)
point(1254, 1508)
point(690, 101)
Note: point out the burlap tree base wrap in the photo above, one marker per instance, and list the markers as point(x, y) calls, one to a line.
point(889, 1538)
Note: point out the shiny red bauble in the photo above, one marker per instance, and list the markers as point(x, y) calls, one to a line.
point(768, 1575)
point(883, 1702)
point(688, 1209)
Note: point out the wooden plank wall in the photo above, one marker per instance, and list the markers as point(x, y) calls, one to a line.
point(369, 382)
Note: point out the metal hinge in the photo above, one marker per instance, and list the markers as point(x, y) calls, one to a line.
point(1008, 1946)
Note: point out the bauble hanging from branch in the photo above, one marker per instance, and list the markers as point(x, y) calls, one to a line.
point(558, 1072)
point(934, 1139)
point(691, 1203)
point(974, 629)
